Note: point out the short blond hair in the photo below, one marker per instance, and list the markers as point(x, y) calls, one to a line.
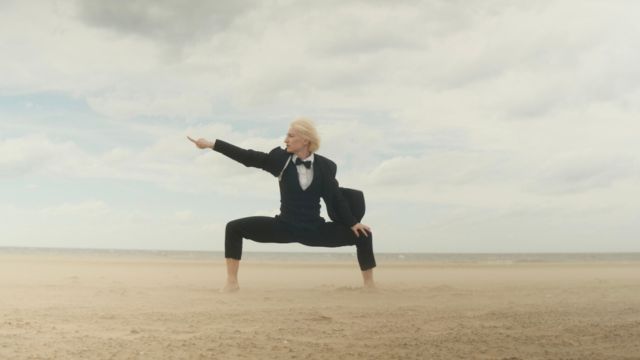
point(307, 129)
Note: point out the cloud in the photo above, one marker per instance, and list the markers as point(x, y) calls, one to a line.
point(37, 154)
point(583, 172)
point(132, 103)
point(441, 168)
point(171, 21)
point(93, 208)
point(486, 59)
point(184, 215)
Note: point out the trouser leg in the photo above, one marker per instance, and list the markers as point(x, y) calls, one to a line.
point(334, 235)
point(364, 250)
point(257, 228)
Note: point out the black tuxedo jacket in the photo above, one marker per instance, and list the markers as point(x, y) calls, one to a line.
point(335, 198)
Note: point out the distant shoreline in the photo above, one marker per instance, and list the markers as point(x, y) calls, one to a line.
point(327, 256)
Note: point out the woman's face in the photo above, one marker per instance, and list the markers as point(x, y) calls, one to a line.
point(295, 142)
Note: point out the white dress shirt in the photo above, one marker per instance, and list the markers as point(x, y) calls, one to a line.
point(305, 176)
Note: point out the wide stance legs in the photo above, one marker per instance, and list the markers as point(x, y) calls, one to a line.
point(271, 230)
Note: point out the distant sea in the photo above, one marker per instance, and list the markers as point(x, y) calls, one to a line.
point(478, 258)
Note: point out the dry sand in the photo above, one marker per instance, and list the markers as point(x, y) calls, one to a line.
point(114, 307)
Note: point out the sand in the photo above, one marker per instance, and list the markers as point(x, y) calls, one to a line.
point(115, 307)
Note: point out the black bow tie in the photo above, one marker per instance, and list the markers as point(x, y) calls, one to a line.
point(307, 163)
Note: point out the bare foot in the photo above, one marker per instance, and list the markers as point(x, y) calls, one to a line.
point(230, 288)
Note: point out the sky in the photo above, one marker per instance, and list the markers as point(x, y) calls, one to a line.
point(484, 126)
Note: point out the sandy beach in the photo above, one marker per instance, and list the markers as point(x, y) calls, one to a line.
point(57, 306)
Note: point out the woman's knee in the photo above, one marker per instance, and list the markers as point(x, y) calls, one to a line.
point(234, 226)
point(231, 225)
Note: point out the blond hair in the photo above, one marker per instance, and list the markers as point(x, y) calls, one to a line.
point(307, 130)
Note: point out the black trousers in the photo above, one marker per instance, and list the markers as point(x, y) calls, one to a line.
point(266, 229)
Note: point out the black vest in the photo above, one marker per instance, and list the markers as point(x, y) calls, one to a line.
point(300, 208)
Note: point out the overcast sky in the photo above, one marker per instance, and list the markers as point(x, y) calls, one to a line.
point(471, 126)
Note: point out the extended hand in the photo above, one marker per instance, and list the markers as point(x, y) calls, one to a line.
point(201, 143)
point(361, 228)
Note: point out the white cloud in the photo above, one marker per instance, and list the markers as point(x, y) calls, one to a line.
point(583, 172)
point(37, 154)
point(168, 20)
point(77, 210)
point(184, 215)
point(298, 55)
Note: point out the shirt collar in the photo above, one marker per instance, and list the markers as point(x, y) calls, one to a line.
point(309, 158)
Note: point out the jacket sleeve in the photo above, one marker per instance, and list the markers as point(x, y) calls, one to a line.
point(337, 205)
point(251, 158)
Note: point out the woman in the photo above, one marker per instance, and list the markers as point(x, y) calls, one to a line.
point(304, 178)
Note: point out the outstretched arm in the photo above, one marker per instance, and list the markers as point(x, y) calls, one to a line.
point(271, 162)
